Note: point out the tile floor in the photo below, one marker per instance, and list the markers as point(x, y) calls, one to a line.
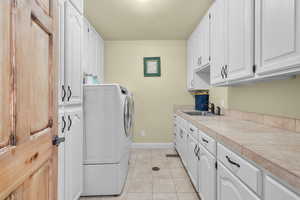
point(171, 182)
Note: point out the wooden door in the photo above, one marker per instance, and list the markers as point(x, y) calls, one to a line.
point(28, 160)
point(277, 37)
point(73, 54)
point(239, 39)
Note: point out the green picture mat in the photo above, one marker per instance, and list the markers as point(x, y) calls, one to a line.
point(157, 60)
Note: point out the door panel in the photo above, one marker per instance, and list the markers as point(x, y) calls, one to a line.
point(277, 35)
point(74, 27)
point(239, 38)
point(39, 80)
point(207, 175)
point(230, 187)
point(217, 41)
point(74, 154)
point(29, 164)
point(5, 73)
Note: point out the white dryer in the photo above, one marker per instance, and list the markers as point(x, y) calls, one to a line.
point(107, 134)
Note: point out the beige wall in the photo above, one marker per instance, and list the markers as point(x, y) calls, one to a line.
point(279, 97)
point(154, 96)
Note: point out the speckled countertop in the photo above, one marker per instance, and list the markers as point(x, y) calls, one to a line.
point(275, 150)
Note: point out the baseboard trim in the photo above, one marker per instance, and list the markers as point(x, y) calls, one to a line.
point(152, 145)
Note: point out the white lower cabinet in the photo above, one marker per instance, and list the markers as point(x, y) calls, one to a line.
point(218, 173)
point(275, 191)
point(193, 160)
point(230, 187)
point(73, 153)
point(206, 175)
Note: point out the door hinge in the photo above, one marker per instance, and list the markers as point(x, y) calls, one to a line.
point(254, 69)
point(216, 165)
point(13, 139)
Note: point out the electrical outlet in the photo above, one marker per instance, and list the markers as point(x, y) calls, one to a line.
point(143, 133)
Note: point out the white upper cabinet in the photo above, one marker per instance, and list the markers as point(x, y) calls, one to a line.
point(239, 39)
point(78, 5)
point(93, 52)
point(276, 191)
point(277, 36)
point(217, 42)
point(73, 55)
point(205, 41)
point(232, 40)
point(198, 55)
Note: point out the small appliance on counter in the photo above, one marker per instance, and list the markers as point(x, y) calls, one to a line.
point(201, 101)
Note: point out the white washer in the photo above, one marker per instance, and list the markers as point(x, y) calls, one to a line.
point(107, 139)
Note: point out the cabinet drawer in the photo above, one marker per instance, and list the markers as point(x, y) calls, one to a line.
point(208, 142)
point(248, 173)
point(193, 131)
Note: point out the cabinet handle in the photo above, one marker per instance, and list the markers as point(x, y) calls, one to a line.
point(197, 153)
point(70, 93)
point(70, 123)
point(195, 149)
point(226, 71)
point(191, 129)
point(64, 93)
point(233, 163)
point(222, 72)
point(204, 140)
point(64, 124)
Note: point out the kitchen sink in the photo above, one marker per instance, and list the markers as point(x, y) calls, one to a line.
point(199, 113)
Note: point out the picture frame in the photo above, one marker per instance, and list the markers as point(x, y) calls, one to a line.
point(152, 67)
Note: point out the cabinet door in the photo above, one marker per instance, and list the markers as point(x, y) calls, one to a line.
point(207, 175)
point(78, 4)
point(74, 154)
point(61, 67)
point(276, 191)
point(239, 39)
point(74, 27)
point(190, 63)
point(184, 149)
point(205, 41)
point(193, 161)
point(217, 42)
point(85, 53)
point(101, 60)
point(230, 187)
point(61, 157)
point(277, 36)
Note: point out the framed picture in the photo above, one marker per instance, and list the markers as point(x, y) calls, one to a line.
point(151, 66)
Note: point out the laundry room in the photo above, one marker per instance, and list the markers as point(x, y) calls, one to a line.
point(149, 100)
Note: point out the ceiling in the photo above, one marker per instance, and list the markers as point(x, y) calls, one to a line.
point(145, 19)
